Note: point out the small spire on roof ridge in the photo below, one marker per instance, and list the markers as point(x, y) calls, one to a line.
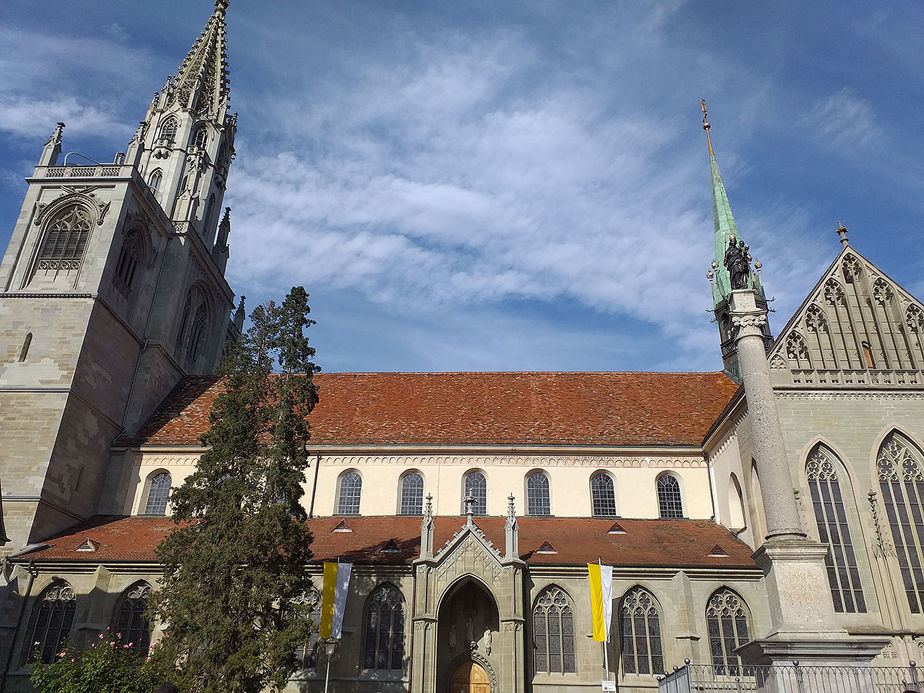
point(221, 5)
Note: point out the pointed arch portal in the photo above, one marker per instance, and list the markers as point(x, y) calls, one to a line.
point(469, 628)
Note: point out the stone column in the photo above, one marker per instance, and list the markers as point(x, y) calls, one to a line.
point(801, 609)
point(780, 507)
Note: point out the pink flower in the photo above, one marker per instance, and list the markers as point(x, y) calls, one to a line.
point(72, 659)
point(101, 635)
point(147, 659)
point(36, 642)
point(111, 644)
point(130, 644)
point(118, 635)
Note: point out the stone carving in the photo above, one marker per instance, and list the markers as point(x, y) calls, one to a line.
point(882, 292)
point(738, 263)
point(471, 556)
point(777, 363)
point(834, 293)
point(743, 321)
point(596, 461)
point(796, 350)
point(851, 268)
point(883, 545)
point(815, 320)
point(914, 317)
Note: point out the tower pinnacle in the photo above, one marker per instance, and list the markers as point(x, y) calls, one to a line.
point(201, 83)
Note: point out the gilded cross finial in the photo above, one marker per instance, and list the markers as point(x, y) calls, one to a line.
point(841, 231)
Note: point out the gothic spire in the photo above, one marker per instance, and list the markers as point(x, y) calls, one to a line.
point(201, 83)
point(723, 219)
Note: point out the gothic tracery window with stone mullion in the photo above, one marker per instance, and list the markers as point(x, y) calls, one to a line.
point(553, 633)
point(65, 240)
point(384, 633)
point(476, 486)
point(833, 530)
point(52, 618)
point(727, 626)
point(901, 481)
point(640, 627)
point(132, 622)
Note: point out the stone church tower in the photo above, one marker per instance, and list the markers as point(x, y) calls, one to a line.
point(112, 289)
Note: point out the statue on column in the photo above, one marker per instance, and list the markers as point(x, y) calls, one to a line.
point(738, 263)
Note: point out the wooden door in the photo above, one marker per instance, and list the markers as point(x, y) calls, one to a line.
point(470, 678)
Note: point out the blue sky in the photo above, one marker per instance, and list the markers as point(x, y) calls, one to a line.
point(510, 186)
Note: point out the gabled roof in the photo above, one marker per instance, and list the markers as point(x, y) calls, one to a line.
point(479, 409)
point(396, 540)
point(844, 331)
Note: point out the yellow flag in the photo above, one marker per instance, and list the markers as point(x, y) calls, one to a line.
point(327, 599)
point(601, 588)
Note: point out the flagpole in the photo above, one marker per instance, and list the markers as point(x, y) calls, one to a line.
point(606, 657)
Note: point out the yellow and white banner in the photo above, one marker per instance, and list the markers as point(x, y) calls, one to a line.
point(333, 598)
point(601, 599)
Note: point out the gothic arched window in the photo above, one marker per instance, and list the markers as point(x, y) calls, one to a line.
point(537, 494)
point(553, 632)
point(670, 504)
point(155, 179)
point(351, 488)
point(727, 625)
point(476, 486)
point(901, 482)
point(128, 260)
point(307, 654)
point(383, 648)
point(196, 332)
point(833, 530)
point(640, 628)
point(201, 136)
point(52, 617)
point(65, 239)
point(412, 494)
point(603, 495)
point(131, 619)
point(158, 493)
point(168, 129)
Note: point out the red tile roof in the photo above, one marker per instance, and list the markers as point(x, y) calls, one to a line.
point(650, 543)
point(480, 408)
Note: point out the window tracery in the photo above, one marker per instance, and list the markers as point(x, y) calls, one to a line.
point(797, 351)
point(882, 291)
point(65, 240)
point(834, 293)
point(727, 626)
point(128, 261)
point(815, 320)
point(553, 633)
point(132, 621)
point(52, 618)
point(383, 648)
point(833, 529)
point(155, 180)
point(901, 482)
point(851, 268)
point(640, 629)
point(168, 129)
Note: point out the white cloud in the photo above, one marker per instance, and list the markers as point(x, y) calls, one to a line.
point(844, 120)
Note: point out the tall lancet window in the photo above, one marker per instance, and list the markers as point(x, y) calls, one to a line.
point(727, 626)
point(640, 628)
point(901, 481)
point(553, 632)
point(833, 530)
point(65, 239)
point(603, 495)
point(670, 503)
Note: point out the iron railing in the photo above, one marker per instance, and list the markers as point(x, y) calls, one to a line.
point(706, 678)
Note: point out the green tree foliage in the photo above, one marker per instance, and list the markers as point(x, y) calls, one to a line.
point(231, 599)
point(107, 666)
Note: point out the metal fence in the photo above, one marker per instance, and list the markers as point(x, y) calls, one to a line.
point(705, 678)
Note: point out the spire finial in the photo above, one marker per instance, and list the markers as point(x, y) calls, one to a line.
point(221, 5)
point(841, 231)
point(706, 125)
point(469, 509)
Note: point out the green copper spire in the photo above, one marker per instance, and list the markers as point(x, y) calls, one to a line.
point(723, 218)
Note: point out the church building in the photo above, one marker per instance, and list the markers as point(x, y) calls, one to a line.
point(768, 515)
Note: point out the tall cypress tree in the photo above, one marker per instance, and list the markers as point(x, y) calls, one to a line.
point(234, 577)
